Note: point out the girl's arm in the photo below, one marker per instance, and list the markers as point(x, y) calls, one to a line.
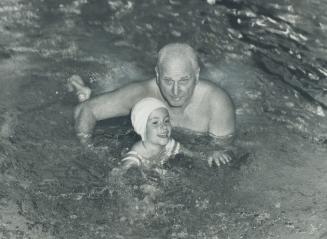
point(127, 163)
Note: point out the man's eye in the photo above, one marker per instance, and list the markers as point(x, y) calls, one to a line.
point(155, 122)
point(168, 81)
point(167, 121)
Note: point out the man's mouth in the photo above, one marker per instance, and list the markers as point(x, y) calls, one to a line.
point(177, 98)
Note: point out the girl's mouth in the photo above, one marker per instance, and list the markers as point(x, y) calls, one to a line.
point(163, 135)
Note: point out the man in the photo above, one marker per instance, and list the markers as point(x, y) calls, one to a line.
point(199, 106)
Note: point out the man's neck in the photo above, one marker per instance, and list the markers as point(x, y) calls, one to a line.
point(177, 110)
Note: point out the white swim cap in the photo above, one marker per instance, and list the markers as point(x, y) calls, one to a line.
point(141, 112)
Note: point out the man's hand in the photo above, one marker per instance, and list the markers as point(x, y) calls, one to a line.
point(219, 157)
point(75, 83)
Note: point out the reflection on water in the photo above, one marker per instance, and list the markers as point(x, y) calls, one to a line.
point(271, 57)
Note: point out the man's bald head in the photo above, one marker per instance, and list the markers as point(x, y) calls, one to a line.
point(178, 50)
point(177, 73)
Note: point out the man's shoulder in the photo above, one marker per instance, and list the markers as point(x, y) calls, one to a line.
point(213, 93)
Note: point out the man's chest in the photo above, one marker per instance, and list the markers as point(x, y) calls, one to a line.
point(194, 121)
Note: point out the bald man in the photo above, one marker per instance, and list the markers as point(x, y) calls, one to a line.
point(193, 104)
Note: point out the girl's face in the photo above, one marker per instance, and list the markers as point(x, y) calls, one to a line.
point(158, 127)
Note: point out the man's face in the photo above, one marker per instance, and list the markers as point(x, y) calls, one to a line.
point(158, 127)
point(177, 79)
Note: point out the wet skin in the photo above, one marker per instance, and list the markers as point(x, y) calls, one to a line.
point(198, 106)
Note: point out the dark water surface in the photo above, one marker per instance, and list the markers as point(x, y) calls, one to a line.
point(270, 57)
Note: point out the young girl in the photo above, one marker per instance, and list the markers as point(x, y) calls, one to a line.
point(150, 119)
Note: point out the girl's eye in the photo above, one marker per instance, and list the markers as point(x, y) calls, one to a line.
point(155, 122)
point(167, 121)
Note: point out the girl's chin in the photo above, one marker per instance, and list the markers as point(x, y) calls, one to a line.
point(163, 141)
point(160, 142)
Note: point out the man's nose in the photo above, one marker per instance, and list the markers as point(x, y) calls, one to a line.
point(175, 89)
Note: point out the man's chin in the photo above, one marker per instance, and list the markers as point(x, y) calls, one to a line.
point(177, 103)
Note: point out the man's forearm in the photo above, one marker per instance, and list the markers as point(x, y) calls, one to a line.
point(84, 123)
point(225, 141)
point(224, 144)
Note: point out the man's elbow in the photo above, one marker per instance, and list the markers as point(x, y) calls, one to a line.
point(229, 119)
point(83, 109)
point(223, 128)
point(230, 125)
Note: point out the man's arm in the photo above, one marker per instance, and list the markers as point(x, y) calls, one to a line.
point(222, 118)
point(109, 105)
point(222, 127)
point(219, 157)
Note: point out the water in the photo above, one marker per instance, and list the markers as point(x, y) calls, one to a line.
point(270, 57)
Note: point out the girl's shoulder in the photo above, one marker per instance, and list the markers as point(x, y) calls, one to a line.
point(138, 147)
point(132, 158)
point(172, 148)
point(134, 154)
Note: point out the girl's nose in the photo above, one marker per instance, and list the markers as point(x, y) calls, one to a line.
point(163, 126)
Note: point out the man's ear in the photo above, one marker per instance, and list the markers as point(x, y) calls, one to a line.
point(157, 74)
point(197, 75)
